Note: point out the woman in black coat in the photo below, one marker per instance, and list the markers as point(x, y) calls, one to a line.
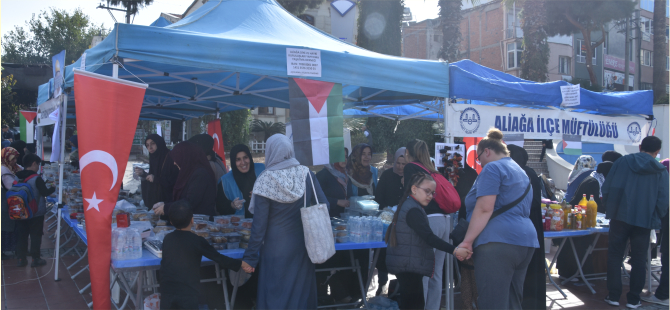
point(534, 287)
point(333, 180)
point(195, 182)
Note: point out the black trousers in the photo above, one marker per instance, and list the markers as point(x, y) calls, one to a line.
point(411, 291)
point(662, 291)
point(619, 233)
point(29, 228)
point(173, 301)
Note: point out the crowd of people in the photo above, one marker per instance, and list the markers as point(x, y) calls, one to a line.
point(501, 254)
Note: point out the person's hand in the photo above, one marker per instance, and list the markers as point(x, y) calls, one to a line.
point(343, 203)
point(237, 204)
point(247, 268)
point(139, 171)
point(150, 178)
point(467, 246)
point(462, 253)
point(158, 208)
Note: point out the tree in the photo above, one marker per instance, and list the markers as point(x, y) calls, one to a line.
point(297, 7)
point(565, 17)
point(535, 47)
point(235, 127)
point(49, 33)
point(450, 22)
point(390, 135)
point(10, 106)
point(379, 25)
point(660, 52)
point(131, 6)
point(267, 128)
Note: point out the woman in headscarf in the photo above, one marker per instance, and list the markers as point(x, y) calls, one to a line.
point(9, 169)
point(390, 188)
point(583, 168)
point(534, 287)
point(592, 186)
point(152, 189)
point(333, 179)
point(362, 175)
point(195, 182)
point(239, 182)
point(19, 146)
point(287, 278)
point(206, 143)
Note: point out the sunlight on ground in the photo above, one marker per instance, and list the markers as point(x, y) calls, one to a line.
point(556, 301)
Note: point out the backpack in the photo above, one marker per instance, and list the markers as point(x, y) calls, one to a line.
point(446, 195)
point(21, 200)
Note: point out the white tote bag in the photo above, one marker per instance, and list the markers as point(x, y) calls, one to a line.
point(318, 231)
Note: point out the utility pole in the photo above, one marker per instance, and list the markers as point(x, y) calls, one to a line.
point(110, 9)
point(627, 55)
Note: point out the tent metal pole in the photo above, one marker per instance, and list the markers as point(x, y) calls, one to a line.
point(447, 134)
point(61, 165)
point(115, 70)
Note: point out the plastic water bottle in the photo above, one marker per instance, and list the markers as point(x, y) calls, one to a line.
point(355, 229)
point(379, 230)
point(136, 252)
point(366, 230)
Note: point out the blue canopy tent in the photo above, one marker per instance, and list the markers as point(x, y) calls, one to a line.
point(161, 22)
point(231, 54)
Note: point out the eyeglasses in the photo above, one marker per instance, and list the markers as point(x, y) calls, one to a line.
point(479, 155)
point(428, 192)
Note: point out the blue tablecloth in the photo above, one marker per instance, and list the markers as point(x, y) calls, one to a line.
point(575, 233)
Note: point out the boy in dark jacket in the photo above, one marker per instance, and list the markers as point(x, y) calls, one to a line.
point(635, 193)
point(32, 227)
point(182, 254)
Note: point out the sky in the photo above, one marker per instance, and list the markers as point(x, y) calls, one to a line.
point(18, 12)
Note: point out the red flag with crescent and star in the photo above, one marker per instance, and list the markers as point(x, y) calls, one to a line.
point(214, 130)
point(107, 113)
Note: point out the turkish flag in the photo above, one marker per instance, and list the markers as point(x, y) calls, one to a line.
point(471, 153)
point(107, 113)
point(214, 130)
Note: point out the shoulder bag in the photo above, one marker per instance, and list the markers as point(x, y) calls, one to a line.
point(318, 231)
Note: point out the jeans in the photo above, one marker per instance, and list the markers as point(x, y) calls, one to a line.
point(432, 287)
point(619, 233)
point(411, 289)
point(500, 270)
point(29, 228)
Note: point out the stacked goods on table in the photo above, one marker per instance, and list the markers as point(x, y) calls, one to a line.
point(557, 217)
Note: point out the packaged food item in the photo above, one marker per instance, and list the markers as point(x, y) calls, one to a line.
point(235, 219)
point(547, 219)
point(158, 229)
point(339, 226)
point(200, 217)
point(161, 223)
point(557, 218)
point(578, 220)
point(340, 233)
point(233, 237)
point(218, 237)
point(122, 219)
point(246, 238)
point(246, 222)
point(220, 246)
point(226, 229)
point(202, 233)
point(222, 219)
point(233, 245)
point(212, 226)
point(245, 231)
point(343, 239)
point(199, 225)
point(139, 216)
point(244, 245)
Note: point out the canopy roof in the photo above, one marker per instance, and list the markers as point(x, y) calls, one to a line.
point(231, 54)
point(469, 80)
point(161, 22)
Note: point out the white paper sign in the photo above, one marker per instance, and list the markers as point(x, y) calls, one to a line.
point(44, 110)
point(469, 120)
point(303, 62)
point(570, 95)
point(158, 129)
point(451, 149)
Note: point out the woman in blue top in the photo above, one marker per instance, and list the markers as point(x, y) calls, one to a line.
point(238, 183)
point(504, 246)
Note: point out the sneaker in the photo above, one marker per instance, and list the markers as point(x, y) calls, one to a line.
point(38, 262)
point(611, 302)
point(655, 300)
point(634, 306)
point(22, 263)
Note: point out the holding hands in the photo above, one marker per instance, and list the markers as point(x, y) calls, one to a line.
point(464, 247)
point(247, 268)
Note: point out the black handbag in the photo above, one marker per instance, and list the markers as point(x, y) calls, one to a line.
point(458, 234)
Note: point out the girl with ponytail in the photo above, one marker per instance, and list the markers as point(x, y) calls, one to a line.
point(411, 242)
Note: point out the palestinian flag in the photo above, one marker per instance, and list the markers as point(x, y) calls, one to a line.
point(572, 144)
point(317, 122)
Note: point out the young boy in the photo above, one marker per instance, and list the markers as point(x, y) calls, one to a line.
point(182, 254)
point(32, 227)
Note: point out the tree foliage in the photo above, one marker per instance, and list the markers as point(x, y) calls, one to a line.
point(48, 34)
point(235, 127)
point(565, 17)
point(10, 106)
point(297, 7)
point(450, 22)
point(131, 6)
point(267, 128)
point(379, 26)
point(535, 47)
point(390, 135)
point(660, 50)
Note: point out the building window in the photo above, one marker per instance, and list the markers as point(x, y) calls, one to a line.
point(514, 53)
point(513, 24)
point(646, 86)
point(581, 51)
point(564, 65)
point(646, 27)
point(646, 58)
point(307, 18)
point(606, 43)
point(266, 111)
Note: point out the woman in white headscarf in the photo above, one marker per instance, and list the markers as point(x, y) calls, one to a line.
point(584, 165)
point(287, 278)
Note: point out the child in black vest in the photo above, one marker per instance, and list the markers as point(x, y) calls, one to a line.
point(182, 255)
point(411, 241)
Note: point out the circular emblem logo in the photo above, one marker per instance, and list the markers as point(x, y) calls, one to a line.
point(470, 120)
point(634, 132)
